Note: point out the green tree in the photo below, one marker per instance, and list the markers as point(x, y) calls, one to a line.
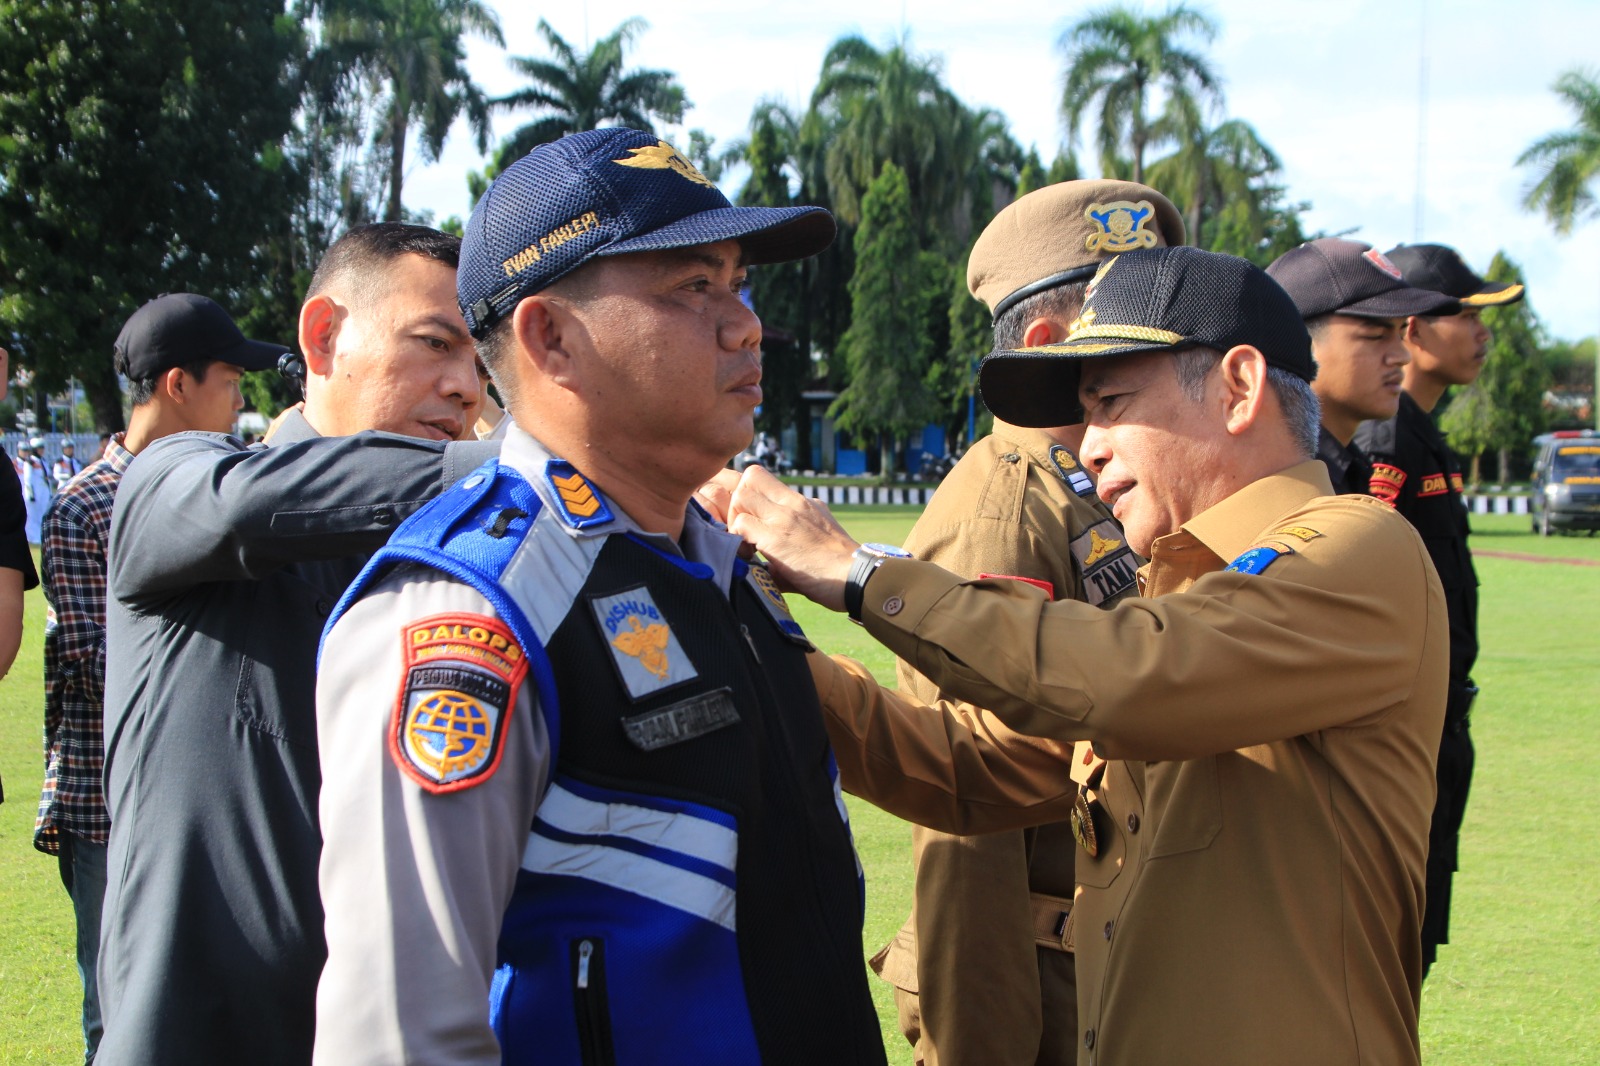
point(891, 105)
point(575, 90)
point(411, 55)
point(1504, 409)
point(1568, 166)
point(129, 169)
point(886, 351)
point(1118, 57)
point(1212, 167)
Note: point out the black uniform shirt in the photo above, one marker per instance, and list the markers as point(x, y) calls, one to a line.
point(14, 551)
point(1415, 471)
point(1348, 466)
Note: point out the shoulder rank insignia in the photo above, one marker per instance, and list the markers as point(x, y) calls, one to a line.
point(578, 503)
point(1257, 559)
point(462, 676)
point(1120, 226)
point(760, 579)
point(647, 654)
point(1071, 472)
point(662, 156)
point(1302, 532)
point(1107, 563)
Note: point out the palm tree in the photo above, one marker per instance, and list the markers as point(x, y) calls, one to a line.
point(1570, 164)
point(1117, 56)
point(1569, 161)
point(583, 90)
point(1211, 166)
point(892, 105)
point(413, 53)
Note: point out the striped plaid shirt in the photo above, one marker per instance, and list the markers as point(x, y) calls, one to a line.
point(76, 530)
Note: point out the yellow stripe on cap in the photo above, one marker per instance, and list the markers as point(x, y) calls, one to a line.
point(1493, 299)
point(1123, 333)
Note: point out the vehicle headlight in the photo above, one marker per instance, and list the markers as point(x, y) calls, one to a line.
point(1557, 493)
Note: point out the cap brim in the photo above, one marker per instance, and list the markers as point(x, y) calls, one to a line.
point(253, 355)
point(1495, 294)
point(765, 234)
point(1038, 387)
point(1402, 303)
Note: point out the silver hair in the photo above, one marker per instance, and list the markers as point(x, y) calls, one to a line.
point(1301, 408)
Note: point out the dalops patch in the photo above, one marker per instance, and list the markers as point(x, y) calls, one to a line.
point(647, 654)
point(463, 672)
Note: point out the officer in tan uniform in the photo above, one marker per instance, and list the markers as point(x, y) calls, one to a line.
point(983, 967)
point(1280, 682)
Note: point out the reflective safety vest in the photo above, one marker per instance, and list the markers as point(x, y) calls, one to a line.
point(689, 892)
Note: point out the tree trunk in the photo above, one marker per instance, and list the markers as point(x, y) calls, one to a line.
point(886, 460)
point(1477, 462)
point(1503, 459)
point(105, 399)
point(397, 162)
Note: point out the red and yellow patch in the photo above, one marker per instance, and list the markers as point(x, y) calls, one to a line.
point(463, 672)
point(1433, 485)
point(1386, 482)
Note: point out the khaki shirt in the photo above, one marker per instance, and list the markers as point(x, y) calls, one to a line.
point(1265, 906)
point(967, 960)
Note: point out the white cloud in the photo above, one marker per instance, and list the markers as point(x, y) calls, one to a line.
point(1331, 87)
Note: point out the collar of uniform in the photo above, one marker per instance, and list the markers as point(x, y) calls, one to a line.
point(703, 541)
point(1036, 442)
point(293, 428)
point(1233, 525)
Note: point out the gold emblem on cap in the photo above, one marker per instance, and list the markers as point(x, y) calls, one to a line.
point(1099, 275)
point(1081, 323)
point(1120, 226)
point(662, 156)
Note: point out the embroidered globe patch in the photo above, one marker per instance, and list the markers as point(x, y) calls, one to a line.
point(462, 676)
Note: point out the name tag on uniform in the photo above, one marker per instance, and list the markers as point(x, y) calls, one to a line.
point(1107, 563)
point(646, 652)
point(681, 721)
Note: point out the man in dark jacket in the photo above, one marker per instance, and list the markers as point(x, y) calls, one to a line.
point(225, 561)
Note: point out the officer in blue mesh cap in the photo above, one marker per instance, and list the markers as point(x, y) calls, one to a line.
point(577, 798)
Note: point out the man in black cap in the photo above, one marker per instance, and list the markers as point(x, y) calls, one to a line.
point(183, 357)
point(578, 804)
point(1280, 682)
point(1416, 472)
point(225, 562)
point(1355, 304)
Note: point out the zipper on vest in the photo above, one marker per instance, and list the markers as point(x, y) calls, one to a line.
point(591, 1002)
point(786, 764)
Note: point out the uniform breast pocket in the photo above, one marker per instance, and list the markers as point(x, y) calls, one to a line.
point(1186, 797)
point(276, 644)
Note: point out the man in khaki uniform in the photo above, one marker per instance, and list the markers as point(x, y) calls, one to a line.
point(983, 967)
point(1280, 682)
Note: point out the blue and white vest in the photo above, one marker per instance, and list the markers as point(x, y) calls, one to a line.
point(689, 892)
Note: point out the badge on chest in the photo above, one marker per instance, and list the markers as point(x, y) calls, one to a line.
point(643, 647)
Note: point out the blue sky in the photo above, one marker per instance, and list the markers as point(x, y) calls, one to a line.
point(1332, 87)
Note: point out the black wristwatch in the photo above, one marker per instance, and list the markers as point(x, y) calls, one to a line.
point(868, 558)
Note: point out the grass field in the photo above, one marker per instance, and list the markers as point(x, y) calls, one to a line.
point(1520, 984)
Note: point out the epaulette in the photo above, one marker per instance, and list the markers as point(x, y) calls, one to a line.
point(1071, 471)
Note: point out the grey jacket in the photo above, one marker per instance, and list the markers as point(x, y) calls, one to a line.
point(224, 564)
